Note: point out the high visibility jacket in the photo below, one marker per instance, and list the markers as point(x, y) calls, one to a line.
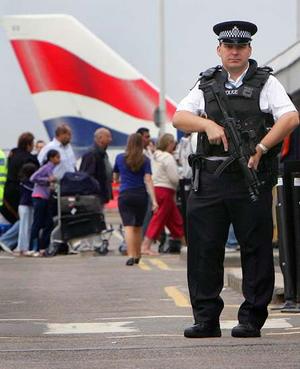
point(3, 174)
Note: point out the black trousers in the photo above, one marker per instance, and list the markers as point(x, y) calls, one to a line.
point(42, 219)
point(210, 211)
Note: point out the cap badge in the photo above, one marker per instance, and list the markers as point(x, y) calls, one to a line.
point(235, 31)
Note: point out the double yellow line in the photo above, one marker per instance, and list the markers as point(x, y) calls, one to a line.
point(173, 292)
point(178, 297)
point(154, 261)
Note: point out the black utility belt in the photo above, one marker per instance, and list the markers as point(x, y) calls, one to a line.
point(211, 166)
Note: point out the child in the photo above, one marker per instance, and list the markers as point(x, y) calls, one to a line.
point(25, 208)
point(43, 179)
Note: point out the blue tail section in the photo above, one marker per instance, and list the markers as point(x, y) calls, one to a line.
point(83, 132)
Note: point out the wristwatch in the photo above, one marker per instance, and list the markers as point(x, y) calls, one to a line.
point(263, 148)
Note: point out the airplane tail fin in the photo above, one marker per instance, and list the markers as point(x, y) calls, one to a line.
point(75, 78)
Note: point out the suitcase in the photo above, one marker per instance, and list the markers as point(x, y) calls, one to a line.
point(79, 204)
point(81, 216)
point(81, 225)
point(78, 183)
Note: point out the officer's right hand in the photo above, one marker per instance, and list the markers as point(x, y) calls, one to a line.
point(216, 134)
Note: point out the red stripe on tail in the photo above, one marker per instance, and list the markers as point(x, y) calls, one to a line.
point(48, 67)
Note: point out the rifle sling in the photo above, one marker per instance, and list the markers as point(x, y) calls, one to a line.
point(224, 165)
point(222, 101)
point(219, 99)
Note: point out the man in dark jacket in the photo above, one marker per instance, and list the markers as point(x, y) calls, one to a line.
point(96, 163)
point(16, 159)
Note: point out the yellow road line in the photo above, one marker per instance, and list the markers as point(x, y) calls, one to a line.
point(178, 297)
point(143, 266)
point(159, 263)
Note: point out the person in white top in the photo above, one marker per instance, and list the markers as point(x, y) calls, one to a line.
point(264, 115)
point(165, 179)
point(61, 143)
point(184, 151)
point(164, 168)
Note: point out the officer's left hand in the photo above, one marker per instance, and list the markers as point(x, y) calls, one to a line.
point(254, 159)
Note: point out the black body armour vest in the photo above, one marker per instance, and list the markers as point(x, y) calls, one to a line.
point(243, 104)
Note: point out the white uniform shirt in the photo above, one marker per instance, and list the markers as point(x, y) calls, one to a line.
point(67, 157)
point(273, 99)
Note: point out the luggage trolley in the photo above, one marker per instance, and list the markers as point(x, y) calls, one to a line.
point(79, 216)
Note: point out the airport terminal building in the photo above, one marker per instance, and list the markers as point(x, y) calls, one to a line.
point(286, 68)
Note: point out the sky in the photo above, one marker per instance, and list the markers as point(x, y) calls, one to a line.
point(130, 27)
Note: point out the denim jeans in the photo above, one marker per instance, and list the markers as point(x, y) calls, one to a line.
point(10, 237)
point(42, 219)
point(231, 241)
point(26, 219)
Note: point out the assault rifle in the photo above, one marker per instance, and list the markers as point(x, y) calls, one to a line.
point(238, 151)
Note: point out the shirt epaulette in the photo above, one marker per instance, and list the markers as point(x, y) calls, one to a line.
point(265, 69)
point(209, 73)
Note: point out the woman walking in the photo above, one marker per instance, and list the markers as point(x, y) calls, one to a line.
point(134, 171)
point(165, 179)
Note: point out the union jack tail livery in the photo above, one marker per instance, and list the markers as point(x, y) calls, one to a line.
point(75, 78)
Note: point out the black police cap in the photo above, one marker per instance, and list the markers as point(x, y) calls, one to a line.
point(235, 32)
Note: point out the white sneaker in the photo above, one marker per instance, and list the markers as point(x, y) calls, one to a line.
point(29, 253)
point(5, 248)
point(36, 254)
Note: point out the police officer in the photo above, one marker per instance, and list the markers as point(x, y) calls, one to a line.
point(258, 101)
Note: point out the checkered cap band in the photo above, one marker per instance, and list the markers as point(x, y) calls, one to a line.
point(235, 33)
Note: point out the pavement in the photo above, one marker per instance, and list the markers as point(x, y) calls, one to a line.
point(232, 264)
point(87, 311)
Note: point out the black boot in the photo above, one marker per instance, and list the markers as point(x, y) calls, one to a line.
point(245, 330)
point(203, 330)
